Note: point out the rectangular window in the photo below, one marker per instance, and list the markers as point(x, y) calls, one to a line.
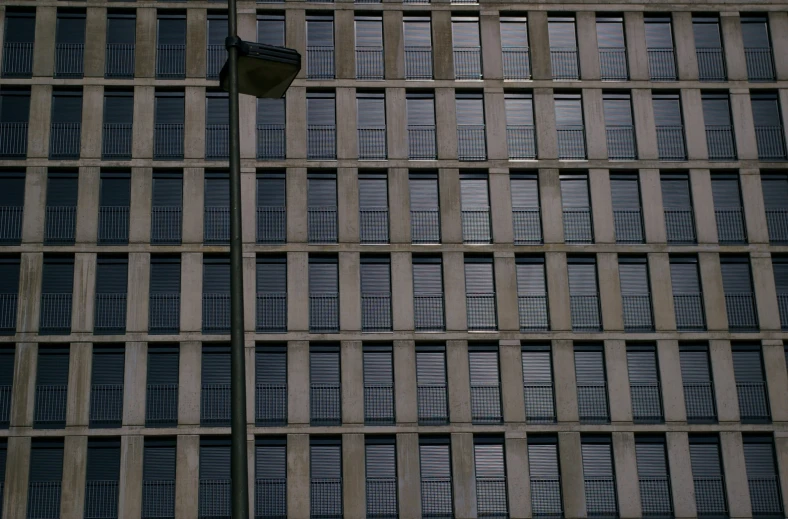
point(612, 48)
point(45, 477)
point(325, 464)
point(520, 129)
point(677, 203)
point(373, 204)
point(217, 124)
point(161, 406)
point(51, 387)
point(514, 46)
point(3, 456)
point(707, 476)
point(325, 392)
point(659, 45)
point(769, 130)
point(644, 385)
point(271, 207)
point(420, 108)
point(106, 390)
point(599, 476)
point(102, 478)
point(698, 383)
point(270, 384)
point(216, 294)
point(216, 219)
point(591, 383)
point(171, 45)
point(216, 53)
point(6, 386)
point(780, 268)
point(485, 383)
point(166, 207)
point(687, 293)
point(619, 126)
point(584, 294)
point(271, 140)
point(526, 213)
point(214, 491)
point(538, 390)
point(669, 125)
point(475, 205)
point(739, 293)
point(215, 397)
point(436, 481)
point(720, 139)
point(65, 128)
point(371, 125)
point(532, 302)
point(113, 217)
point(570, 127)
point(12, 203)
point(69, 44)
point(168, 126)
point(653, 476)
point(320, 126)
point(635, 293)
point(57, 284)
point(627, 212)
point(564, 59)
point(490, 469)
point(323, 294)
point(61, 207)
point(375, 293)
point(762, 476)
point(14, 119)
point(121, 39)
point(425, 224)
point(271, 294)
point(270, 469)
point(164, 313)
point(378, 385)
point(471, 140)
point(381, 476)
point(545, 475)
point(322, 207)
point(369, 47)
point(708, 48)
point(775, 198)
point(271, 29)
point(117, 127)
point(431, 385)
point(417, 35)
point(757, 47)
point(158, 477)
point(467, 47)
point(20, 30)
point(751, 383)
point(480, 293)
point(319, 47)
point(9, 295)
point(428, 305)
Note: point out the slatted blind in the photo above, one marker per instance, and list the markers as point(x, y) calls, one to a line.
point(323, 275)
point(271, 29)
point(372, 191)
point(780, 267)
point(610, 32)
point(217, 189)
point(20, 26)
point(582, 276)
point(111, 275)
point(167, 189)
point(479, 277)
point(380, 458)
point(530, 276)
point(747, 364)
point(424, 191)
point(46, 460)
point(618, 109)
point(6, 369)
point(470, 109)
point(543, 457)
point(169, 108)
point(736, 276)
point(118, 106)
point(488, 457)
point(755, 31)
point(159, 459)
point(667, 109)
point(217, 29)
point(121, 28)
point(369, 31)
point(103, 459)
point(12, 189)
point(371, 110)
point(589, 365)
point(537, 364)
point(676, 192)
point(597, 457)
point(474, 193)
point(165, 275)
point(215, 458)
point(659, 34)
point(322, 190)
point(725, 191)
point(324, 365)
point(706, 30)
point(427, 276)
point(270, 458)
point(561, 31)
point(271, 189)
point(217, 108)
point(215, 364)
point(766, 109)
point(759, 457)
point(320, 31)
point(58, 275)
point(716, 109)
point(9, 275)
point(519, 109)
point(435, 458)
point(115, 189)
point(705, 457)
point(271, 365)
point(416, 31)
point(775, 191)
point(216, 275)
point(642, 364)
point(271, 274)
point(483, 361)
point(514, 31)
point(574, 192)
point(163, 365)
point(525, 190)
point(67, 106)
point(172, 29)
point(52, 366)
point(684, 275)
point(430, 365)
point(325, 460)
point(375, 275)
point(694, 361)
point(633, 275)
point(378, 366)
point(651, 457)
point(14, 102)
point(3, 455)
point(420, 109)
point(108, 365)
point(62, 189)
point(70, 27)
point(465, 31)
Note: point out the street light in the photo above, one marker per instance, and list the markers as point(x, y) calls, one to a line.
point(261, 71)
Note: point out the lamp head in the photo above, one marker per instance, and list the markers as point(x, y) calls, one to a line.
point(263, 70)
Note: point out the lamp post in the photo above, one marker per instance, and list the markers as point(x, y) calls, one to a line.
point(261, 71)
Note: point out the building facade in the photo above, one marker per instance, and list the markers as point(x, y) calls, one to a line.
point(500, 260)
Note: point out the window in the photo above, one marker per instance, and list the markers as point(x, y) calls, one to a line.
point(158, 477)
point(117, 131)
point(480, 293)
point(490, 468)
point(698, 383)
point(271, 294)
point(751, 383)
point(102, 478)
point(520, 129)
point(653, 476)
point(369, 47)
point(121, 38)
point(271, 29)
point(214, 490)
point(69, 44)
point(168, 126)
point(475, 205)
point(425, 222)
point(619, 126)
point(635, 293)
point(320, 126)
point(12, 202)
point(161, 406)
point(57, 282)
point(591, 383)
point(113, 217)
point(373, 202)
point(431, 385)
point(20, 30)
point(532, 293)
point(378, 385)
point(14, 118)
point(471, 140)
point(3, 455)
point(564, 59)
point(325, 392)
point(436, 481)
point(217, 125)
point(381, 476)
point(570, 127)
point(659, 44)
point(375, 293)
point(9, 295)
point(421, 126)
point(417, 34)
point(106, 390)
point(371, 122)
point(708, 48)
point(757, 47)
point(467, 47)
point(599, 476)
point(171, 45)
point(166, 207)
point(545, 476)
point(719, 128)
point(677, 203)
point(271, 207)
point(6, 386)
point(51, 387)
point(45, 477)
point(216, 294)
point(612, 48)
point(270, 384)
point(669, 125)
point(216, 52)
point(270, 463)
point(769, 132)
point(644, 383)
point(627, 213)
point(215, 397)
point(217, 208)
point(538, 383)
point(707, 476)
point(164, 310)
point(514, 45)
point(739, 293)
point(325, 463)
point(323, 294)
point(61, 207)
point(584, 294)
point(780, 268)
point(322, 207)
point(65, 128)
point(485, 384)
point(527, 221)
point(687, 293)
point(775, 198)
point(428, 305)
point(762, 477)
point(271, 129)
point(319, 47)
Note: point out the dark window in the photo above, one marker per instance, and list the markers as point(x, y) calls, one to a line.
point(165, 294)
point(687, 293)
point(106, 390)
point(480, 293)
point(627, 213)
point(158, 477)
point(485, 384)
point(270, 385)
point(271, 294)
point(669, 125)
point(375, 293)
point(65, 128)
point(373, 202)
point(14, 118)
point(739, 294)
point(780, 268)
point(757, 47)
point(167, 208)
point(111, 293)
point(417, 36)
point(271, 207)
point(168, 127)
point(532, 293)
point(698, 383)
point(720, 140)
point(436, 481)
point(563, 47)
point(325, 392)
point(644, 383)
point(420, 108)
point(214, 492)
point(475, 205)
point(751, 383)
point(599, 476)
point(584, 294)
point(612, 48)
point(113, 222)
point(677, 203)
point(319, 47)
point(381, 476)
point(378, 385)
point(3, 455)
point(775, 198)
point(57, 283)
point(322, 207)
point(520, 129)
point(271, 29)
point(527, 221)
point(490, 469)
point(20, 31)
point(51, 388)
point(762, 477)
point(325, 464)
point(216, 295)
point(121, 38)
point(728, 208)
point(270, 477)
point(217, 124)
point(570, 127)
point(323, 294)
point(12, 203)
point(591, 384)
point(118, 117)
point(635, 293)
point(708, 48)
point(69, 43)
point(371, 125)
point(538, 390)
point(9, 294)
point(707, 476)
point(653, 476)
point(102, 479)
point(171, 45)
point(425, 225)
point(369, 47)
point(215, 401)
point(217, 207)
point(545, 476)
point(271, 129)
point(161, 408)
point(467, 47)
point(769, 134)
point(46, 474)
point(6, 386)
point(431, 385)
point(217, 54)
point(619, 127)
point(514, 44)
point(471, 140)
point(61, 207)
point(659, 43)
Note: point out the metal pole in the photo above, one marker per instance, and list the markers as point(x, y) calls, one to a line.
point(238, 469)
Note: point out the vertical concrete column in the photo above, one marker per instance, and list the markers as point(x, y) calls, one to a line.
point(135, 377)
point(684, 39)
point(132, 452)
point(500, 191)
point(694, 127)
point(194, 123)
point(743, 123)
point(352, 376)
point(297, 291)
point(187, 483)
point(454, 288)
point(754, 209)
point(31, 267)
point(347, 201)
point(539, 43)
point(354, 503)
point(409, 475)
point(449, 192)
point(736, 485)
point(96, 43)
point(247, 108)
point(190, 376)
point(442, 49)
point(490, 31)
point(464, 477)
point(345, 44)
point(191, 292)
point(18, 464)
point(651, 201)
point(565, 382)
point(141, 196)
point(40, 112)
point(295, 131)
point(610, 292)
point(24, 388)
point(298, 484)
point(87, 208)
point(139, 292)
point(399, 205)
point(145, 45)
point(446, 121)
point(495, 122)
point(196, 42)
point(544, 114)
point(645, 127)
point(637, 52)
point(295, 38)
point(298, 386)
point(601, 206)
point(33, 215)
point(91, 128)
point(776, 378)
point(510, 356)
point(558, 291)
point(732, 41)
point(396, 122)
point(552, 208)
point(588, 47)
point(618, 381)
point(572, 481)
point(626, 469)
point(402, 291)
point(458, 372)
point(661, 291)
point(347, 134)
point(79, 374)
point(44, 48)
point(249, 205)
point(405, 383)
point(703, 205)
point(518, 477)
point(681, 482)
point(193, 205)
point(84, 292)
point(724, 381)
point(778, 30)
point(594, 120)
point(142, 130)
point(506, 291)
point(350, 294)
point(671, 381)
point(393, 43)
point(713, 295)
point(296, 205)
point(765, 291)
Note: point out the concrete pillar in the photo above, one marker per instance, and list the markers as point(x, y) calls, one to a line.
point(196, 42)
point(776, 378)
point(442, 49)
point(572, 481)
point(506, 291)
point(249, 205)
point(565, 382)
point(454, 291)
point(637, 52)
point(694, 127)
point(552, 209)
point(193, 209)
point(501, 210)
point(347, 134)
point(618, 381)
point(295, 131)
point(713, 295)
point(446, 121)
point(754, 209)
point(142, 130)
point(352, 376)
point(724, 381)
point(191, 292)
point(594, 121)
point(681, 483)
point(765, 291)
point(610, 292)
point(743, 123)
point(409, 474)
point(459, 381)
point(396, 123)
point(661, 292)
point(190, 386)
point(18, 464)
point(405, 383)
point(601, 206)
point(296, 205)
point(544, 114)
point(539, 45)
point(24, 388)
point(509, 352)
point(354, 503)
point(733, 43)
point(651, 201)
point(345, 44)
point(645, 127)
point(347, 201)
point(518, 479)
point(139, 292)
point(44, 48)
point(684, 39)
point(588, 47)
point(79, 375)
point(135, 377)
point(402, 291)
point(298, 383)
point(132, 452)
point(297, 291)
point(464, 477)
point(194, 123)
point(87, 208)
point(449, 192)
point(490, 32)
point(40, 111)
point(703, 206)
point(91, 128)
point(393, 43)
point(670, 379)
point(399, 205)
point(298, 484)
point(31, 267)
point(350, 295)
point(82, 307)
point(33, 215)
point(558, 291)
point(187, 472)
point(778, 31)
point(145, 44)
point(141, 196)
point(626, 469)
point(295, 38)
point(96, 43)
point(495, 122)
point(736, 485)
point(247, 108)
